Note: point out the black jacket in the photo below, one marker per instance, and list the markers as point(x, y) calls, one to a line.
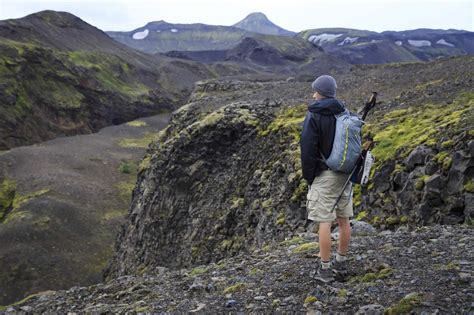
point(317, 136)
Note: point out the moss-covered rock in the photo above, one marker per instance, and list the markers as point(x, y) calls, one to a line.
point(405, 305)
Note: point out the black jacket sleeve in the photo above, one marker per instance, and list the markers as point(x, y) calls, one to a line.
point(309, 148)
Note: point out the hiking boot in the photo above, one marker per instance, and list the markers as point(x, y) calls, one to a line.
point(339, 267)
point(323, 275)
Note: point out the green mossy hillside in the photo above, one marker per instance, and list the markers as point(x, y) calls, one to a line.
point(47, 91)
point(110, 71)
point(402, 130)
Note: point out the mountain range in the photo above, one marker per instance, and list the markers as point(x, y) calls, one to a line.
point(198, 41)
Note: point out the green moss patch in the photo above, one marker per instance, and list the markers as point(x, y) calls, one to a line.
point(361, 215)
point(372, 276)
point(109, 71)
point(18, 201)
point(23, 301)
point(235, 288)
point(21, 199)
point(400, 131)
point(237, 203)
point(292, 241)
point(7, 196)
point(145, 163)
point(137, 123)
point(357, 195)
point(420, 182)
point(310, 299)
point(198, 271)
point(469, 186)
point(447, 144)
point(125, 190)
point(127, 167)
point(281, 220)
point(405, 305)
point(300, 192)
point(142, 142)
point(307, 247)
point(290, 120)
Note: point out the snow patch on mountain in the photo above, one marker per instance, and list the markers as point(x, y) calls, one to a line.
point(141, 35)
point(443, 42)
point(173, 30)
point(322, 38)
point(398, 42)
point(419, 43)
point(348, 41)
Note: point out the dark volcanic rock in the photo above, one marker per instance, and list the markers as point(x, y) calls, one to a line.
point(382, 180)
point(418, 156)
point(435, 183)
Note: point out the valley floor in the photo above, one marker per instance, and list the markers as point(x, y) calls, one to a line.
point(69, 197)
point(428, 269)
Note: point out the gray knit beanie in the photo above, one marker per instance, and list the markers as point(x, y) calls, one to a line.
point(325, 85)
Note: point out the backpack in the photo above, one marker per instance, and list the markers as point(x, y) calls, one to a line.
point(347, 145)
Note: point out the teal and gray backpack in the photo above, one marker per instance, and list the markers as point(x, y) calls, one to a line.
point(347, 144)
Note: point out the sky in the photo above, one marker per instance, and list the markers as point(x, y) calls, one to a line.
point(294, 15)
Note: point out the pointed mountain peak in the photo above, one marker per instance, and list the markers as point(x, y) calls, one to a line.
point(258, 22)
point(256, 16)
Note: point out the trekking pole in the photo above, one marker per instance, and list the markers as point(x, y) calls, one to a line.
point(368, 106)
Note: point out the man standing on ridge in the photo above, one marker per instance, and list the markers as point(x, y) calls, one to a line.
point(325, 185)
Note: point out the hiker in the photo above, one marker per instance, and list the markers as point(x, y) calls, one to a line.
point(325, 185)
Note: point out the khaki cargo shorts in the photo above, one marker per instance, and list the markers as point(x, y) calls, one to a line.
point(323, 194)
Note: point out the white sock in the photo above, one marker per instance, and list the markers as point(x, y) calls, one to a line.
point(325, 264)
point(340, 257)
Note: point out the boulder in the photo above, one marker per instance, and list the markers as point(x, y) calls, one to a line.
point(382, 178)
point(455, 182)
point(358, 228)
point(470, 145)
point(469, 206)
point(435, 183)
point(425, 213)
point(399, 180)
point(418, 156)
point(431, 168)
point(432, 198)
point(461, 162)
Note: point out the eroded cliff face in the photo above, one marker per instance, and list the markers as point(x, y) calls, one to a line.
point(212, 189)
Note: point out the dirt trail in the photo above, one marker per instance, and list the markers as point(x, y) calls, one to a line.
point(71, 195)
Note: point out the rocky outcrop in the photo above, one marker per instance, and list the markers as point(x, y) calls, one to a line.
point(432, 185)
point(211, 189)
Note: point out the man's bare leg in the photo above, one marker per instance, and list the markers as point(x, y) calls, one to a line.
point(344, 235)
point(325, 241)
